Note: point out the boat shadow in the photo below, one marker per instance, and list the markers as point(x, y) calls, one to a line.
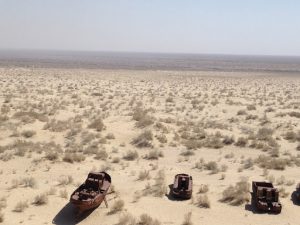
point(170, 195)
point(67, 216)
point(295, 199)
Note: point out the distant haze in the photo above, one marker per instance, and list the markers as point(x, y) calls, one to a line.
point(247, 27)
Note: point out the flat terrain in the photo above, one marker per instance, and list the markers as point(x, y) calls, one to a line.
point(143, 127)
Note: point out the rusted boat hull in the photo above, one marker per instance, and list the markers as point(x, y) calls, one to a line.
point(92, 193)
point(183, 186)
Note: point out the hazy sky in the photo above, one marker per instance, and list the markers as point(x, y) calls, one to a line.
point(270, 27)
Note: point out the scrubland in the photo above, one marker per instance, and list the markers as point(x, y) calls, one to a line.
point(143, 127)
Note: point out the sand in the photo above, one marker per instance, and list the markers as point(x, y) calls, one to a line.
point(195, 110)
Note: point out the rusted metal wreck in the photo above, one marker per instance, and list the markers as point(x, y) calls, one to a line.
point(266, 197)
point(92, 192)
point(183, 186)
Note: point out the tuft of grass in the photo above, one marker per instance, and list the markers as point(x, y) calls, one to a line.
point(154, 154)
point(131, 155)
point(143, 175)
point(241, 142)
point(21, 206)
point(187, 219)
point(203, 188)
point(65, 180)
point(144, 140)
point(73, 157)
point(63, 193)
point(202, 201)
point(28, 133)
point(117, 206)
point(97, 124)
point(40, 199)
point(145, 219)
point(127, 219)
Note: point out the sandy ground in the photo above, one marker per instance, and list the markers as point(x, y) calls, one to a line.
point(46, 123)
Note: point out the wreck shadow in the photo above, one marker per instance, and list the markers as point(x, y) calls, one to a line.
point(295, 199)
point(170, 195)
point(67, 216)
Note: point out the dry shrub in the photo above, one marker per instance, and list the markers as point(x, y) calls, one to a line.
point(192, 144)
point(238, 194)
point(228, 140)
point(65, 180)
point(145, 219)
point(102, 154)
point(251, 107)
point(294, 114)
point(212, 166)
point(41, 199)
point(126, 219)
point(131, 155)
point(187, 152)
point(203, 188)
point(29, 182)
point(97, 124)
point(264, 134)
point(162, 138)
point(187, 219)
point(110, 136)
point(115, 160)
point(154, 154)
point(28, 133)
point(144, 140)
point(283, 193)
point(1, 217)
point(213, 142)
point(202, 201)
point(2, 203)
point(73, 157)
point(272, 163)
point(159, 188)
point(117, 206)
point(241, 142)
point(63, 193)
point(143, 175)
point(52, 156)
point(20, 206)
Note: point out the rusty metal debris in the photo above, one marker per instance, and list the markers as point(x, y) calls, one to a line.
point(92, 192)
point(183, 186)
point(266, 197)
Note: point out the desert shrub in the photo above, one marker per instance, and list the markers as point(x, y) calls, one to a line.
point(2, 203)
point(102, 154)
point(145, 121)
point(212, 166)
point(28, 133)
point(298, 147)
point(115, 160)
point(57, 125)
point(238, 194)
point(187, 219)
point(159, 188)
point(251, 107)
point(52, 191)
point(131, 155)
point(154, 154)
point(162, 138)
point(143, 175)
point(294, 114)
point(97, 124)
point(241, 112)
point(144, 140)
point(202, 201)
point(1, 217)
point(264, 134)
point(271, 163)
point(52, 155)
point(63, 193)
point(73, 157)
point(65, 180)
point(145, 219)
point(241, 142)
point(20, 206)
point(248, 163)
point(283, 193)
point(110, 136)
point(213, 142)
point(228, 140)
point(29, 182)
point(126, 219)
point(41, 199)
point(203, 188)
point(192, 144)
point(187, 152)
point(117, 206)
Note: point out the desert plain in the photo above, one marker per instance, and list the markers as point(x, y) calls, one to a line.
point(225, 129)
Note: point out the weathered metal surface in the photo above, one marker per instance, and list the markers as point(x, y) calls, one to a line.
point(92, 192)
point(182, 186)
point(266, 197)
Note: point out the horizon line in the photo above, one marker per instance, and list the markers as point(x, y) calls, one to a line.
point(147, 52)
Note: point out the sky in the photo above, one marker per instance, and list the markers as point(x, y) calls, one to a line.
point(247, 27)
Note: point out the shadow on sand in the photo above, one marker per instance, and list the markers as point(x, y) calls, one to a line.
point(67, 216)
point(171, 197)
point(295, 198)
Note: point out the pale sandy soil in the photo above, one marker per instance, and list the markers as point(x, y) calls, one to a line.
point(193, 110)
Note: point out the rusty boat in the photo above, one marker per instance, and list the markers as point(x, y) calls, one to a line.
point(266, 197)
point(182, 186)
point(92, 192)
